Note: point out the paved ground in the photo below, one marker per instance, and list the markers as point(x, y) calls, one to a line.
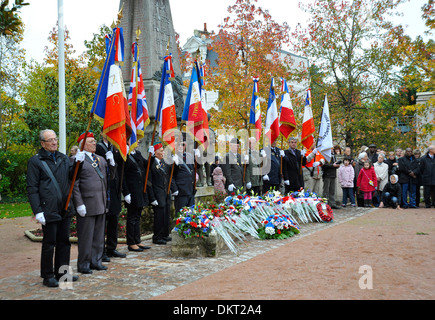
point(322, 262)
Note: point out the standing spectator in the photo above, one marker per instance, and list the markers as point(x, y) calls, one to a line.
point(73, 151)
point(253, 171)
point(381, 170)
point(293, 161)
point(346, 174)
point(135, 198)
point(214, 166)
point(392, 193)
point(47, 199)
point(90, 199)
point(184, 178)
point(372, 154)
point(329, 181)
point(362, 158)
point(417, 155)
point(158, 194)
point(104, 149)
point(399, 153)
point(232, 167)
point(347, 153)
point(392, 163)
point(408, 171)
point(367, 182)
point(272, 179)
point(427, 169)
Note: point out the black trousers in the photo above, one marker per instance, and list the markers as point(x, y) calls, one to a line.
point(55, 243)
point(111, 232)
point(428, 192)
point(161, 221)
point(133, 224)
point(183, 201)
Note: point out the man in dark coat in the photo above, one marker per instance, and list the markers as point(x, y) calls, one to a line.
point(159, 196)
point(408, 171)
point(427, 171)
point(90, 199)
point(272, 178)
point(105, 149)
point(135, 198)
point(183, 177)
point(48, 202)
point(232, 168)
point(293, 160)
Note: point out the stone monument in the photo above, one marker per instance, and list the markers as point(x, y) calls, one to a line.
point(154, 19)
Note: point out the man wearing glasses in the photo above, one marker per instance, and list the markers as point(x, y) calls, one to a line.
point(48, 182)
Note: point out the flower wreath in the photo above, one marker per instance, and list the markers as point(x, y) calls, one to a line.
point(325, 216)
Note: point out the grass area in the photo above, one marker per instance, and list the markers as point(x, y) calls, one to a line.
point(15, 210)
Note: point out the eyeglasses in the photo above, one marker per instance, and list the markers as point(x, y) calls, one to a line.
point(51, 140)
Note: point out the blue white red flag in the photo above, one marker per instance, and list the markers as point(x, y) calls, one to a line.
point(255, 113)
point(308, 129)
point(206, 129)
point(272, 122)
point(137, 102)
point(193, 113)
point(166, 113)
point(110, 102)
point(287, 118)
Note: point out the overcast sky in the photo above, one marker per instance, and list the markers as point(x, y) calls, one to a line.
point(84, 17)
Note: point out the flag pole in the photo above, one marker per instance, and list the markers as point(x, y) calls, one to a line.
point(154, 133)
point(91, 116)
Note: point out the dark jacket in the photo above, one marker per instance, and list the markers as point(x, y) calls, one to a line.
point(40, 189)
point(114, 192)
point(158, 182)
point(134, 177)
point(233, 170)
point(427, 170)
point(391, 168)
point(328, 169)
point(292, 168)
point(274, 163)
point(253, 170)
point(394, 190)
point(184, 175)
point(406, 165)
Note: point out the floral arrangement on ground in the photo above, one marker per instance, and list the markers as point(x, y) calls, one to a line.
point(271, 216)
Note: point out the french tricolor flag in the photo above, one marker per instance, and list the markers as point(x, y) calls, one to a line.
point(272, 121)
point(255, 114)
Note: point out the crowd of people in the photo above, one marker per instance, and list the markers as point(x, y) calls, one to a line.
point(103, 181)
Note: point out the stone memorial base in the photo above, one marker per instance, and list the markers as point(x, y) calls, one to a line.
point(211, 246)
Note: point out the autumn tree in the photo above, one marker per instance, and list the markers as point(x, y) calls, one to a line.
point(349, 43)
point(247, 45)
point(41, 92)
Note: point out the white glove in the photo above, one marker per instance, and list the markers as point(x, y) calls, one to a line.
point(287, 182)
point(128, 148)
point(249, 185)
point(80, 156)
point(303, 152)
point(263, 153)
point(40, 218)
point(316, 164)
point(109, 157)
point(281, 153)
point(127, 198)
point(175, 193)
point(81, 210)
point(246, 157)
point(155, 203)
point(266, 177)
point(151, 150)
point(231, 187)
point(197, 154)
point(176, 159)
